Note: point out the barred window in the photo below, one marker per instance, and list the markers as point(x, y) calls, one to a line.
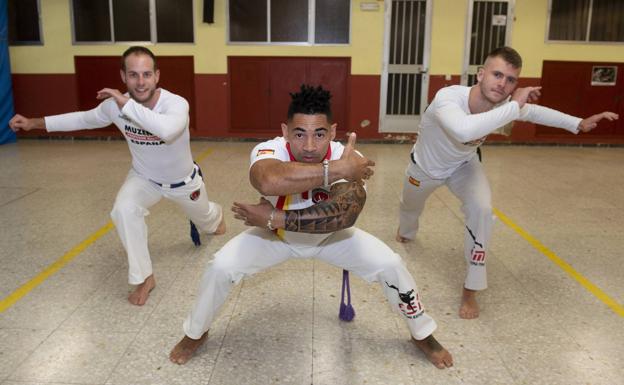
point(289, 21)
point(156, 21)
point(23, 20)
point(586, 20)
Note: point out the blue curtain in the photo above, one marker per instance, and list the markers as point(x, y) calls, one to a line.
point(6, 94)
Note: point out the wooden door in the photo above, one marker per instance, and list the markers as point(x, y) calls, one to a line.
point(93, 73)
point(260, 90)
point(249, 91)
point(286, 76)
point(567, 87)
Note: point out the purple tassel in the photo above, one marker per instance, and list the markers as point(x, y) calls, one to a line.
point(347, 313)
point(195, 234)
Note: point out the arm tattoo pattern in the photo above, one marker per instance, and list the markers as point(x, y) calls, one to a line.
point(339, 211)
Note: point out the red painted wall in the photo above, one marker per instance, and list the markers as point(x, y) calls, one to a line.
point(46, 94)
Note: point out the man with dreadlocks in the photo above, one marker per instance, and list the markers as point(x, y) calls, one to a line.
point(312, 194)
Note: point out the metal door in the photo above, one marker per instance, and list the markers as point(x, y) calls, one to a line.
point(488, 26)
point(404, 78)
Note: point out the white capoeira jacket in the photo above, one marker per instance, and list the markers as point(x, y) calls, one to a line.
point(158, 138)
point(279, 149)
point(449, 134)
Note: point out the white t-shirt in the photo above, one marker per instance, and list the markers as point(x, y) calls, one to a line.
point(278, 149)
point(158, 138)
point(449, 134)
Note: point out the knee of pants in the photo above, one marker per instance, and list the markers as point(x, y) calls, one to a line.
point(480, 208)
point(123, 210)
point(224, 268)
point(391, 262)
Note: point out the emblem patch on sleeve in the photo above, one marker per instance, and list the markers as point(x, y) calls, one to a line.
point(265, 152)
point(414, 181)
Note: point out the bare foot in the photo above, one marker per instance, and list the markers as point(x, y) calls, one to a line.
point(141, 293)
point(401, 239)
point(434, 352)
point(184, 350)
point(469, 307)
point(221, 228)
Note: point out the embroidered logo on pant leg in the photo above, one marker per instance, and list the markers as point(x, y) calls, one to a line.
point(194, 195)
point(477, 257)
point(410, 305)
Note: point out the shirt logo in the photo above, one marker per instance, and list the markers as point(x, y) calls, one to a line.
point(265, 152)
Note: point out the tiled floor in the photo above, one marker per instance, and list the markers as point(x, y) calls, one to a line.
point(537, 325)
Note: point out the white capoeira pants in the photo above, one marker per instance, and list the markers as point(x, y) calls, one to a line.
point(136, 196)
point(471, 187)
point(352, 249)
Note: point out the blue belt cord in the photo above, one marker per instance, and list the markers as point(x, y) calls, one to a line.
point(194, 233)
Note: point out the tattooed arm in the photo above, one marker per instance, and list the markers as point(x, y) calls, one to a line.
point(346, 201)
point(339, 211)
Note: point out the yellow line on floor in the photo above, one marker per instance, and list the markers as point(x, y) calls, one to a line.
point(26, 288)
point(203, 155)
point(586, 283)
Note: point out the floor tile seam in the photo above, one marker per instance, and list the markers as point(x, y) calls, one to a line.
point(55, 267)
point(122, 356)
point(95, 292)
point(226, 329)
point(36, 189)
point(29, 354)
point(510, 373)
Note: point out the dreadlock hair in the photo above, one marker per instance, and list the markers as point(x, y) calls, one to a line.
point(508, 54)
point(137, 50)
point(310, 101)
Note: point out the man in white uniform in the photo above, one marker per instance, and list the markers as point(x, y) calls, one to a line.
point(155, 124)
point(454, 125)
point(303, 216)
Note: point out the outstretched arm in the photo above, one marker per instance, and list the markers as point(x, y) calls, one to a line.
point(590, 123)
point(19, 122)
point(341, 209)
point(98, 117)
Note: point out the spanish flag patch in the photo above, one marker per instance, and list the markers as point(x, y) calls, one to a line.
point(414, 181)
point(265, 152)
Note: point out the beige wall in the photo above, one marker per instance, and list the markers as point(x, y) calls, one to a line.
point(448, 25)
point(529, 34)
point(211, 51)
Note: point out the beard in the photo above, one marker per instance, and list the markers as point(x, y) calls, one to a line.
point(145, 98)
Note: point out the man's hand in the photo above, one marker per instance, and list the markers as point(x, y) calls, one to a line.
point(357, 167)
point(19, 122)
point(526, 94)
point(590, 123)
point(254, 215)
point(106, 93)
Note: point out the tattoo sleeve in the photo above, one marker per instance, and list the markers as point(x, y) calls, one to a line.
point(339, 211)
